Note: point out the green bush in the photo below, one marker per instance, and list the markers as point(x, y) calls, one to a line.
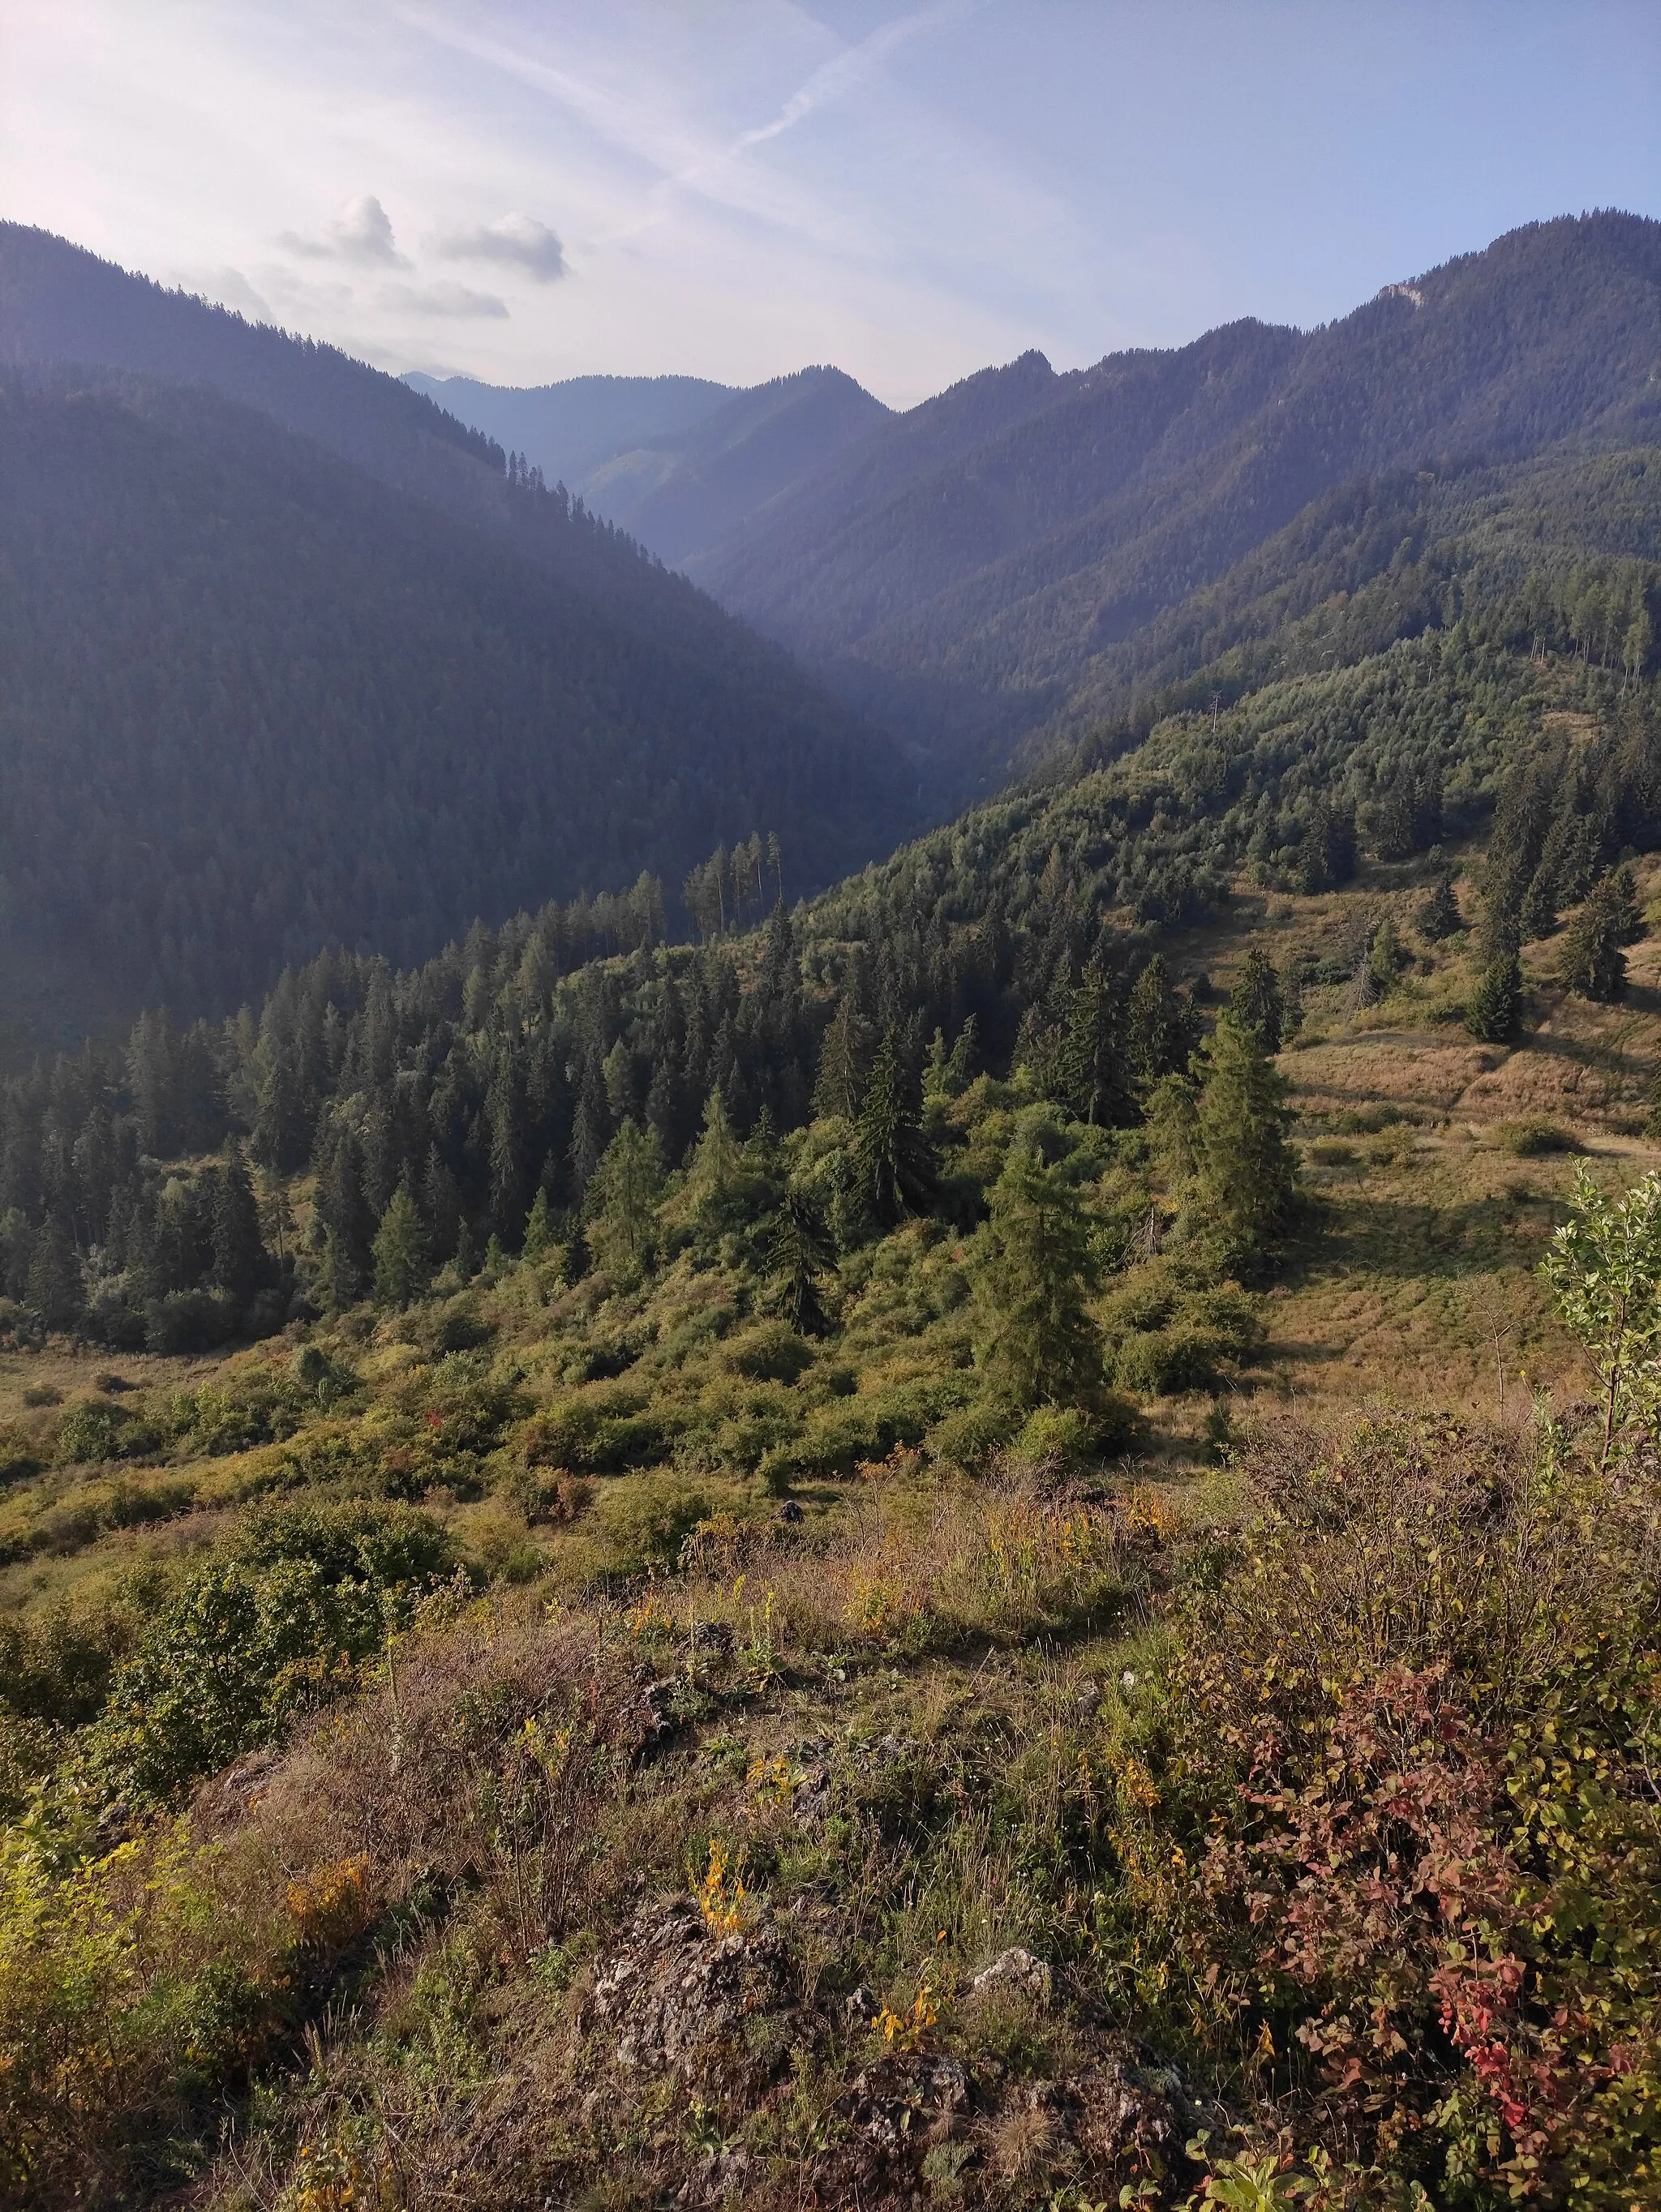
point(771, 1352)
point(1533, 1136)
point(95, 1429)
point(258, 1408)
point(603, 1428)
point(1162, 1363)
point(971, 1434)
point(259, 1638)
point(648, 1521)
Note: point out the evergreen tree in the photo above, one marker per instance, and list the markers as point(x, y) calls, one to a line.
point(1496, 1003)
point(622, 1200)
point(1090, 1062)
point(1255, 998)
point(893, 1162)
point(347, 1225)
point(54, 1280)
point(240, 1261)
point(401, 1253)
point(1439, 915)
point(1245, 1171)
point(1384, 954)
point(1035, 1267)
point(803, 1251)
point(1593, 961)
point(1538, 915)
point(539, 1230)
point(841, 1085)
point(718, 1171)
point(1159, 1027)
point(441, 1206)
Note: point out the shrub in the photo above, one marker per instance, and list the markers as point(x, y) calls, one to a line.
point(604, 1429)
point(648, 1521)
point(969, 1436)
point(1534, 1135)
point(92, 1431)
point(259, 1638)
point(1402, 1810)
point(772, 1353)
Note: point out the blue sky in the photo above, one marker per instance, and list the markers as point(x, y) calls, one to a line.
point(731, 188)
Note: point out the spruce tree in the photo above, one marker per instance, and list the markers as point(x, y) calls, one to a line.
point(347, 1225)
point(1036, 1265)
point(718, 1167)
point(1159, 1027)
point(1439, 915)
point(1090, 1069)
point(401, 1253)
point(441, 1206)
point(1496, 1004)
point(1594, 963)
point(240, 1261)
point(1257, 1001)
point(54, 1280)
point(841, 1086)
point(893, 1162)
point(539, 1230)
point(803, 1250)
point(622, 1200)
point(1244, 1171)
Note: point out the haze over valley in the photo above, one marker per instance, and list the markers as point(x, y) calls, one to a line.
point(829, 1108)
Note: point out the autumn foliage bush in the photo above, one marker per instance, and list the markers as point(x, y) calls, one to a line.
point(1408, 1770)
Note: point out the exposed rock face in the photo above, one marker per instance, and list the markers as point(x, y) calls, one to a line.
point(1016, 1969)
point(674, 1990)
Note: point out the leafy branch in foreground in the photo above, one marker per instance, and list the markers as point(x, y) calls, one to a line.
point(1604, 1269)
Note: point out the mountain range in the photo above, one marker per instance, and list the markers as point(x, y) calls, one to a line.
point(345, 670)
point(991, 569)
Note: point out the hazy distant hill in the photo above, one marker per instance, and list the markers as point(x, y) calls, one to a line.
point(964, 571)
point(567, 430)
point(680, 494)
point(678, 464)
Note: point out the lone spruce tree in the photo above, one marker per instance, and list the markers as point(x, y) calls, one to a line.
point(1036, 1268)
point(622, 1200)
point(240, 1258)
point(1496, 1003)
point(804, 1251)
point(1244, 1172)
point(1255, 998)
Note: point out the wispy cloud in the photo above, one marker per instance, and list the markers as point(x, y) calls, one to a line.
point(514, 241)
point(443, 298)
point(361, 233)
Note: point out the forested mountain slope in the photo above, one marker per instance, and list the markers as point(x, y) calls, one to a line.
point(972, 598)
point(804, 1570)
point(255, 702)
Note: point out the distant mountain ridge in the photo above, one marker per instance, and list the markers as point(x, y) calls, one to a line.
point(964, 572)
point(570, 430)
point(678, 462)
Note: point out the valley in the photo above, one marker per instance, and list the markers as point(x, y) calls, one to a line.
point(870, 1429)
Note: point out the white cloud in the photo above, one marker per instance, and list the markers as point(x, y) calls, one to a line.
point(516, 242)
point(361, 232)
